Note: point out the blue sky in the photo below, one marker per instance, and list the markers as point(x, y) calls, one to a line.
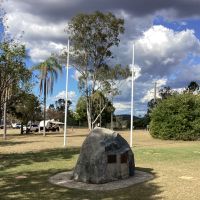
point(60, 86)
point(179, 25)
point(166, 37)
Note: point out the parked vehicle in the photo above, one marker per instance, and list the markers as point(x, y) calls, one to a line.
point(50, 125)
point(31, 128)
point(16, 125)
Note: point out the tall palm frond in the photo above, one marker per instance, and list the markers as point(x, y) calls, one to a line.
point(48, 74)
point(48, 71)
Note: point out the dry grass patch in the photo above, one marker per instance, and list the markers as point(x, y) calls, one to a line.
point(175, 165)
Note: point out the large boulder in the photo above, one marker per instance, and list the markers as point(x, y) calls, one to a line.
point(105, 156)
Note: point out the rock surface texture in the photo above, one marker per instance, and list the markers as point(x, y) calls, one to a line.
point(105, 156)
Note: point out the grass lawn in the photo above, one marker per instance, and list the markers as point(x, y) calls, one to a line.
point(26, 163)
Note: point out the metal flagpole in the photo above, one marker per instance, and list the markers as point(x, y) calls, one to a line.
point(66, 97)
point(132, 87)
point(155, 88)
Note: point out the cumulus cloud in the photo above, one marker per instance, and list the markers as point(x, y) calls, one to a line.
point(184, 76)
point(150, 93)
point(161, 49)
point(42, 39)
point(45, 20)
point(160, 53)
point(121, 106)
point(61, 95)
point(39, 53)
point(66, 8)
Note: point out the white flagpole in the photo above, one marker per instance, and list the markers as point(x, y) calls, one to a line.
point(132, 87)
point(66, 97)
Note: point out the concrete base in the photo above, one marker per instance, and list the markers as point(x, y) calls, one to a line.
point(64, 179)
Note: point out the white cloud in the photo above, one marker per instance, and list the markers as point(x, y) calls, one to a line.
point(61, 95)
point(150, 93)
point(179, 90)
point(161, 82)
point(121, 106)
point(76, 75)
point(137, 72)
point(41, 37)
point(161, 49)
point(40, 52)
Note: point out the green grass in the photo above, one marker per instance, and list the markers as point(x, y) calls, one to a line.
point(166, 154)
point(174, 164)
point(39, 166)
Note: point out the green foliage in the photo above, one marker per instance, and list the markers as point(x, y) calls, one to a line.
point(177, 118)
point(193, 87)
point(166, 92)
point(57, 111)
point(81, 109)
point(26, 107)
point(93, 36)
point(98, 102)
point(14, 75)
point(48, 74)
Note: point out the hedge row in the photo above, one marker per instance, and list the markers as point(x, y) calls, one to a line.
point(177, 118)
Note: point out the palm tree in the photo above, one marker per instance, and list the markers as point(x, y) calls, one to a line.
point(48, 70)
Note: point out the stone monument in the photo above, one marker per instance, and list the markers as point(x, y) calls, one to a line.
point(105, 157)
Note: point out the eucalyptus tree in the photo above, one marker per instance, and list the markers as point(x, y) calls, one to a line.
point(48, 74)
point(14, 75)
point(93, 36)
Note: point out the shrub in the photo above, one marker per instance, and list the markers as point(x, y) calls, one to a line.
point(177, 118)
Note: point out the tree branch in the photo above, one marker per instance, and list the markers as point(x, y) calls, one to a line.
point(98, 115)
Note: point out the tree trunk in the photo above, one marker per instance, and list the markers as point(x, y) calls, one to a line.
point(100, 112)
point(22, 125)
point(45, 95)
point(89, 118)
point(1, 109)
point(98, 116)
point(111, 121)
point(88, 104)
point(4, 121)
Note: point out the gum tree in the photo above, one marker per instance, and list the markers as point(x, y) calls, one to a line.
point(93, 36)
point(14, 75)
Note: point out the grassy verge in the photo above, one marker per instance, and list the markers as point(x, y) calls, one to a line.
point(25, 175)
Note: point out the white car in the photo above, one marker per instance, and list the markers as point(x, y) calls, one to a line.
point(31, 128)
point(16, 125)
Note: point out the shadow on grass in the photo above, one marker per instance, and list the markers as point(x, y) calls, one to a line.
point(12, 143)
point(18, 159)
point(35, 184)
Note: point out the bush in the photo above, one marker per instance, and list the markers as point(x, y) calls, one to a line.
point(177, 118)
